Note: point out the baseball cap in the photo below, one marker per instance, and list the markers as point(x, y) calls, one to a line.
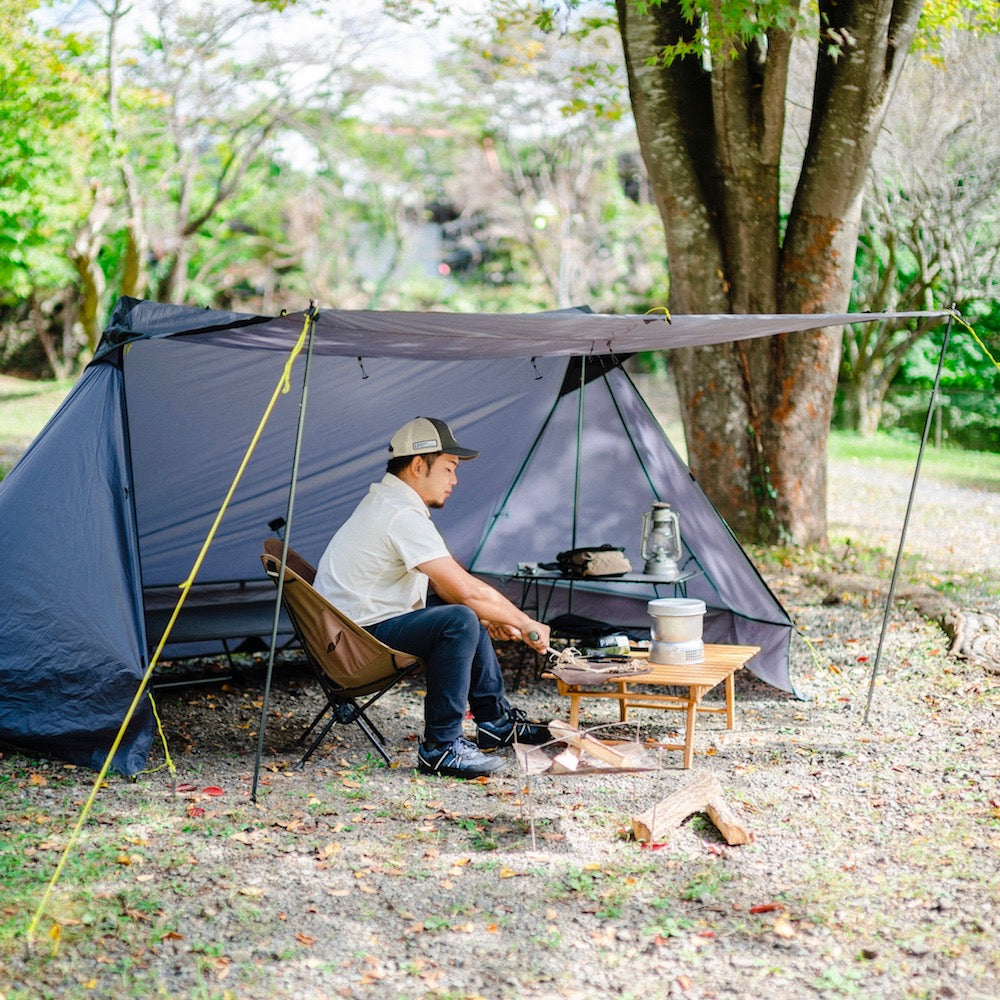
point(424, 435)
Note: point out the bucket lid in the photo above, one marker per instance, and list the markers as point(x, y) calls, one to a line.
point(675, 607)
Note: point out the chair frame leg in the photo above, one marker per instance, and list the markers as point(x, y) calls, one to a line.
point(346, 710)
point(312, 725)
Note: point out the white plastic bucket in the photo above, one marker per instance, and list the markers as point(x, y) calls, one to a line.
point(676, 619)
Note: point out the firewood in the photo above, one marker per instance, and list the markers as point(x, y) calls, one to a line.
point(703, 794)
point(722, 814)
point(566, 762)
point(582, 741)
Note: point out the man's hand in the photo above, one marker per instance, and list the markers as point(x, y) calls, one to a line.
point(499, 632)
point(500, 617)
point(536, 635)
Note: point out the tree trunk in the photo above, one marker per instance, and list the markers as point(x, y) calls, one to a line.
point(863, 405)
point(757, 414)
point(59, 358)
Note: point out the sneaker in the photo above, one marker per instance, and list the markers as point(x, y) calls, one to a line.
point(459, 759)
point(512, 727)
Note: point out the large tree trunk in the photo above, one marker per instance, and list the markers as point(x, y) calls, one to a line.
point(757, 415)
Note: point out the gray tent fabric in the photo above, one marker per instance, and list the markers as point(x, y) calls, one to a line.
point(628, 463)
point(104, 515)
point(72, 640)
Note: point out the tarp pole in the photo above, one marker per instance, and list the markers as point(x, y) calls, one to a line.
point(289, 512)
point(906, 519)
point(579, 451)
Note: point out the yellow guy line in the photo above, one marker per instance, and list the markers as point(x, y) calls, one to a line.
point(977, 339)
point(283, 386)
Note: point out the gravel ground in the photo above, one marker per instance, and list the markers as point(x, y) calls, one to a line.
point(873, 872)
point(952, 528)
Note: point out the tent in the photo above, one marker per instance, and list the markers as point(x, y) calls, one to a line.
point(103, 516)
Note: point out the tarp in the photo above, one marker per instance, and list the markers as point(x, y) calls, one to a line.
point(106, 512)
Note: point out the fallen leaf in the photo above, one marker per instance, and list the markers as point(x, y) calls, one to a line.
point(305, 939)
point(765, 908)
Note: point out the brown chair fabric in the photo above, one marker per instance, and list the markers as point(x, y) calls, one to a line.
point(349, 661)
point(349, 655)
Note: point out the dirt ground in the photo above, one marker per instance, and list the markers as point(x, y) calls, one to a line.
point(873, 871)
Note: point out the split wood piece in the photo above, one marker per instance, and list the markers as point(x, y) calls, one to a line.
point(582, 741)
point(567, 762)
point(704, 794)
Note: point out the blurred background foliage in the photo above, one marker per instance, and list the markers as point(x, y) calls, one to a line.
point(255, 156)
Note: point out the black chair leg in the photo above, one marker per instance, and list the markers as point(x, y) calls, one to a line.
point(345, 712)
point(374, 736)
point(312, 725)
point(319, 739)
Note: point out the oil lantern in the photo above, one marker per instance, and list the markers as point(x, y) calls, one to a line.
point(661, 541)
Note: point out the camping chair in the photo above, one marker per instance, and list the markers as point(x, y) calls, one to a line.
point(349, 662)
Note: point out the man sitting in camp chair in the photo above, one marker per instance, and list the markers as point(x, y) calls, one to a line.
point(377, 568)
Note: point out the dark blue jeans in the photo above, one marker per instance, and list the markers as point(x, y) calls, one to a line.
point(461, 666)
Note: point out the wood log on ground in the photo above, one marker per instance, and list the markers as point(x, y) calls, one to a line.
point(974, 634)
point(703, 794)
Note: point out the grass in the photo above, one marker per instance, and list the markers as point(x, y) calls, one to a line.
point(979, 469)
point(26, 406)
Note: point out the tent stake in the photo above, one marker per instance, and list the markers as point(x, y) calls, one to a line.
point(290, 509)
point(906, 518)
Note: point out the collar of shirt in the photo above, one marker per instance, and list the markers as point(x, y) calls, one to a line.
point(393, 488)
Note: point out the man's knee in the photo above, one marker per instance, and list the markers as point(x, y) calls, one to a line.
point(463, 619)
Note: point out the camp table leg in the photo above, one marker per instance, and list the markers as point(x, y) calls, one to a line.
point(730, 702)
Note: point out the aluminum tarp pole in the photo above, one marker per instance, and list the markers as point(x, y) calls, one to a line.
point(579, 447)
point(311, 317)
point(906, 518)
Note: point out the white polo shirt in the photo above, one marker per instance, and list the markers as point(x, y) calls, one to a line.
point(369, 568)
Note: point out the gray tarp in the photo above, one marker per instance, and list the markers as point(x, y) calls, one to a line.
point(115, 497)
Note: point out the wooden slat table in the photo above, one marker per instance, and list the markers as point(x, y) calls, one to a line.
point(719, 665)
